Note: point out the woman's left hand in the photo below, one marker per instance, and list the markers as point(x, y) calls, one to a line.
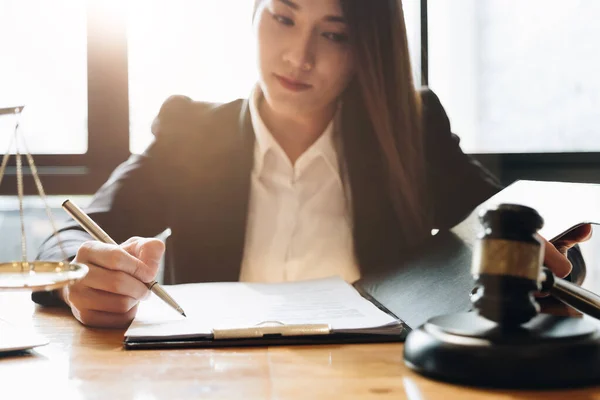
point(555, 257)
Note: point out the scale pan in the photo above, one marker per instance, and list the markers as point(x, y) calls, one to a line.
point(39, 275)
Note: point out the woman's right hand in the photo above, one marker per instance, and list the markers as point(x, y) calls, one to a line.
point(109, 294)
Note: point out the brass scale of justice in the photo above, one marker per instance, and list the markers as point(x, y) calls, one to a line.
point(25, 274)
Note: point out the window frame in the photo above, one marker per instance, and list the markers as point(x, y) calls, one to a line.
point(508, 167)
point(108, 119)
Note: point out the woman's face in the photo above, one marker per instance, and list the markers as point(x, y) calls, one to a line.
point(305, 61)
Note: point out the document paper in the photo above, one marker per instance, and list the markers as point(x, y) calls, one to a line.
point(233, 305)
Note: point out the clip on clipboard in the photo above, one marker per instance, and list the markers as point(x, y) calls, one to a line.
point(271, 329)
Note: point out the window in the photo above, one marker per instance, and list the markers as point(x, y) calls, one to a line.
point(412, 17)
point(201, 49)
point(518, 76)
point(44, 67)
point(66, 61)
point(515, 76)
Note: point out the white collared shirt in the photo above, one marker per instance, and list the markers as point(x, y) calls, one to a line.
point(299, 223)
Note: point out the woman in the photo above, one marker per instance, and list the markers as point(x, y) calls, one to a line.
point(335, 164)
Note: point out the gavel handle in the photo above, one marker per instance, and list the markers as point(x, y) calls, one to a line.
point(572, 295)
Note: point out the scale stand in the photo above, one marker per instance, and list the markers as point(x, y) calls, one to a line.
point(25, 275)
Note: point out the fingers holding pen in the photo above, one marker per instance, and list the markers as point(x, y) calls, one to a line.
point(93, 300)
point(88, 298)
point(148, 250)
point(116, 258)
point(103, 319)
point(110, 292)
point(115, 282)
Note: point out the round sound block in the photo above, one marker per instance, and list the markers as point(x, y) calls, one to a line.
point(547, 352)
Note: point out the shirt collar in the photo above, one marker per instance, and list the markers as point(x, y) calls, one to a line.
point(325, 145)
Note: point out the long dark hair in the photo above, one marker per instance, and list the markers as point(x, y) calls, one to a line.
point(381, 122)
point(382, 117)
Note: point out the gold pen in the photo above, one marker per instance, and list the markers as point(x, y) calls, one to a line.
point(97, 233)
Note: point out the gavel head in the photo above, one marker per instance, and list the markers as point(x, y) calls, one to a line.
point(507, 259)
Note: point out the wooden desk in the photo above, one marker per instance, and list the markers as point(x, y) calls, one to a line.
point(91, 364)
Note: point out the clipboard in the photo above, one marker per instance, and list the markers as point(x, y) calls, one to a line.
point(275, 333)
point(333, 338)
point(282, 336)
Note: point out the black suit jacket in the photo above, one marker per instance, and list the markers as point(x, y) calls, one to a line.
point(195, 180)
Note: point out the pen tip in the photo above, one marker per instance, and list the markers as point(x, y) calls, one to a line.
point(182, 313)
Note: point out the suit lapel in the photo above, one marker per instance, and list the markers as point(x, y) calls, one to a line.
point(214, 203)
